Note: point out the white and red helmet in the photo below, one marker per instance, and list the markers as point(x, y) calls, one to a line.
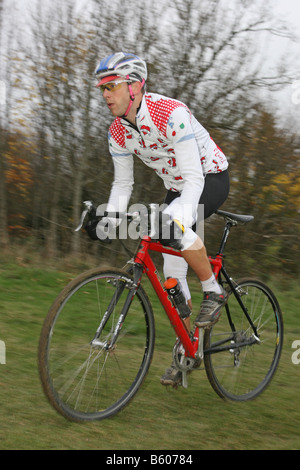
point(121, 64)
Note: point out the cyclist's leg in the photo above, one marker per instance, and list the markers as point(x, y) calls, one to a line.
point(214, 194)
point(178, 267)
point(195, 256)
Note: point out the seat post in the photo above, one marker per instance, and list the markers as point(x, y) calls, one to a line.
point(226, 232)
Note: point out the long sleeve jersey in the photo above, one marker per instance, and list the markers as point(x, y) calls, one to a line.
point(168, 139)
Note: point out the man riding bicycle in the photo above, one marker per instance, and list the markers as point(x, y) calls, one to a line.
point(164, 134)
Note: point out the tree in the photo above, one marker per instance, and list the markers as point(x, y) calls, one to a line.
point(3, 204)
point(6, 48)
point(205, 53)
point(62, 61)
point(265, 177)
point(215, 59)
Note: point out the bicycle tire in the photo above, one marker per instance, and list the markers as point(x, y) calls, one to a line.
point(241, 374)
point(84, 383)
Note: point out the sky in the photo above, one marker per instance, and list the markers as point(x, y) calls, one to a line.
point(289, 97)
point(288, 10)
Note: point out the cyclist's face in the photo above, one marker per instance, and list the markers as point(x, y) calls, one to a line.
point(117, 100)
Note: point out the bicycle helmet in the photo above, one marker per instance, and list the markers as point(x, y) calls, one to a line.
point(125, 65)
point(122, 64)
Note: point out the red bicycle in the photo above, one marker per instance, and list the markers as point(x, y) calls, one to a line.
point(97, 340)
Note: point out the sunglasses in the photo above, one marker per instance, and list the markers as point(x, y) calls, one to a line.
point(113, 86)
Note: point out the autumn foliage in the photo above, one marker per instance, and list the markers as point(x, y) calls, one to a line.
point(53, 131)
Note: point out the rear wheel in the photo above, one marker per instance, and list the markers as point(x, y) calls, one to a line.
point(246, 365)
point(85, 381)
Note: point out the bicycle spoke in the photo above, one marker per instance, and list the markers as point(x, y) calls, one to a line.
point(242, 372)
point(87, 379)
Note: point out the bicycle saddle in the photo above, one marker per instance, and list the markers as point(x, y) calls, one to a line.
point(242, 219)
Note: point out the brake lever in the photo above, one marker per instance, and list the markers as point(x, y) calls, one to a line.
point(88, 208)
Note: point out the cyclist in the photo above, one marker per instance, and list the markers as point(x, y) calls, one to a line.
point(164, 134)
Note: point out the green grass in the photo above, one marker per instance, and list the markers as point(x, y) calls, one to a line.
point(158, 418)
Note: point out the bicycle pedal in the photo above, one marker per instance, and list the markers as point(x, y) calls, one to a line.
point(184, 382)
point(209, 325)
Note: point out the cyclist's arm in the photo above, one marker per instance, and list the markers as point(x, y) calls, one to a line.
point(123, 178)
point(188, 160)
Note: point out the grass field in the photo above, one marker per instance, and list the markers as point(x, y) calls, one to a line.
point(158, 418)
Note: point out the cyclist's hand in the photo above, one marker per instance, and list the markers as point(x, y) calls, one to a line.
point(98, 229)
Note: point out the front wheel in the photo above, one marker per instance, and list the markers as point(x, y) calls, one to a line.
point(90, 380)
point(238, 364)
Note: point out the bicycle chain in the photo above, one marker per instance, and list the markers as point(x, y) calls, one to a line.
point(182, 362)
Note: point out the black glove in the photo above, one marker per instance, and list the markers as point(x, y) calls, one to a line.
point(97, 229)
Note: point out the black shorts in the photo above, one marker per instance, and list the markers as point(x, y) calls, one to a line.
point(215, 192)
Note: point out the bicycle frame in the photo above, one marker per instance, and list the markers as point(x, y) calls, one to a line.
point(144, 261)
point(143, 258)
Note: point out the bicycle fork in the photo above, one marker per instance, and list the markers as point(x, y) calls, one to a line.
point(121, 284)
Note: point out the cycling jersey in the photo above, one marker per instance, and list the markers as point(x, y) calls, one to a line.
point(168, 139)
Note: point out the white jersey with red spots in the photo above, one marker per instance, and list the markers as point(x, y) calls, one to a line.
point(169, 139)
